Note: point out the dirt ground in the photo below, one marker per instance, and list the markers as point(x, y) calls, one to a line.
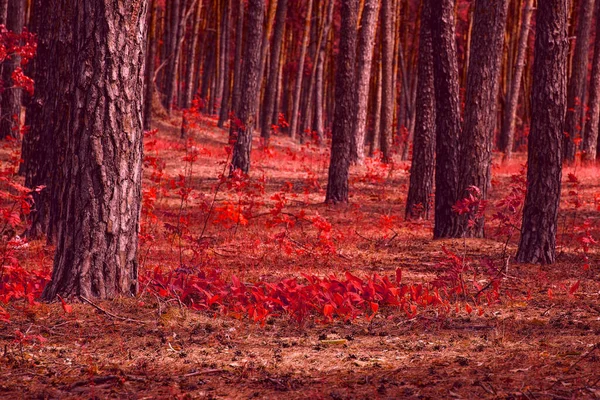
point(533, 345)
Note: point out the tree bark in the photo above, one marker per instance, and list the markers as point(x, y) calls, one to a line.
point(300, 77)
point(366, 44)
point(319, 124)
point(576, 95)
point(188, 94)
point(243, 126)
point(3, 11)
point(271, 88)
point(239, 61)
point(345, 106)
point(540, 214)
point(98, 115)
point(388, 98)
point(590, 139)
point(227, 70)
point(423, 162)
point(510, 113)
point(448, 121)
point(483, 84)
point(150, 67)
point(10, 121)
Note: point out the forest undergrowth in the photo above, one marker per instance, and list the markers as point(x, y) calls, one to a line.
point(252, 286)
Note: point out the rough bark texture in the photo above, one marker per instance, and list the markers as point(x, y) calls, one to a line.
point(244, 125)
point(11, 98)
point(483, 83)
point(300, 76)
point(366, 44)
point(271, 88)
point(512, 102)
point(150, 67)
point(423, 161)
point(3, 11)
point(387, 90)
point(577, 83)
point(590, 139)
point(448, 122)
point(98, 111)
point(345, 106)
point(540, 215)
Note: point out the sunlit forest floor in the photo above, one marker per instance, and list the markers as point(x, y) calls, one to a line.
point(538, 337)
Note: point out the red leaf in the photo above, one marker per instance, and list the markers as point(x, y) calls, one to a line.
point(398, 275)
point(574, 288)
point(328, 310)
point(374, 307)
point(65, 306)
point(468, 308)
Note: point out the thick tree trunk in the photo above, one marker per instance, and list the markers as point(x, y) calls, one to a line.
point(10, 116)
point(243, 125)
point(422, 167)
point(3, 11)
point(366, 44)
point(98, 170)
point(300, 75)
point(590, 139)
point(483, 83)
point(540, 215)
point(345, 106)
point(388, 98)
point(448, 121)
point(271, 88)
point(577, 83)
point(512, 102)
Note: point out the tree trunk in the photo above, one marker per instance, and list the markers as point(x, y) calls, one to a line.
point(448, 120)
point(388, 98)
point(271, 88)
point(264, 52)
point(483, 83)
point(540, 215)
point(366, 44)
point(188, 94)
point(10, 117)
point(239, 61)
point(243, 126)
point(3, 11)
point(590, 140)
point(174, 7)
point(575, 99)
point(374, 145)
point(227, 70)
point(300, 75)
point(319, 124)
point(150, 68)
point(510, 113)
point(422, 167)
point(98, 168)
point(345, 106)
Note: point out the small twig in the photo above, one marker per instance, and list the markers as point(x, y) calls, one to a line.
point(97, 307)
point(203, 372)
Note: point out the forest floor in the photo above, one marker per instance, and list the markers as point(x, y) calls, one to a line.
point(538, 338)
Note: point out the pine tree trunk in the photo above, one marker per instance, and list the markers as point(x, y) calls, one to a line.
point(264, 52)
point(483, 84)
point(345, 106)
point(422, 167)
point(150, 68)
point(224, 111)
point(575, 99)
point(239, 61)
point(540, 215)
point(10, 116)
point(243, 126)
point(3, 11)
point(366, 44)
point(319, 124)
point(271, 88)
point(387, 85)
point(374, 145)
point(188, 93)
point(300, 76)
point(174, 7)
point(590, 139)
point(99, 126)
point(447, 120)
point(510, 113)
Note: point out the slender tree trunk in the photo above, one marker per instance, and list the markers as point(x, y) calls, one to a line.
point(374, 146)
point(222, 69)
point(174, 7)
point(448, 121)
point(319, 124)
point(227, 70)
point(345, 106)
point(298, 89)
point(590, 139)
point(388, 97)
point(271, 88)
point(575, 100)
point(188, 94)
point(510, 113)
point(422, 167)
point(540, 215)
point(366, 44)
point(264, 52)
point(243, 127)
point(239, 61)
point(98, 168)
point(483, 84)
point(3, 11)
point(150, 67)
point(10, 117)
